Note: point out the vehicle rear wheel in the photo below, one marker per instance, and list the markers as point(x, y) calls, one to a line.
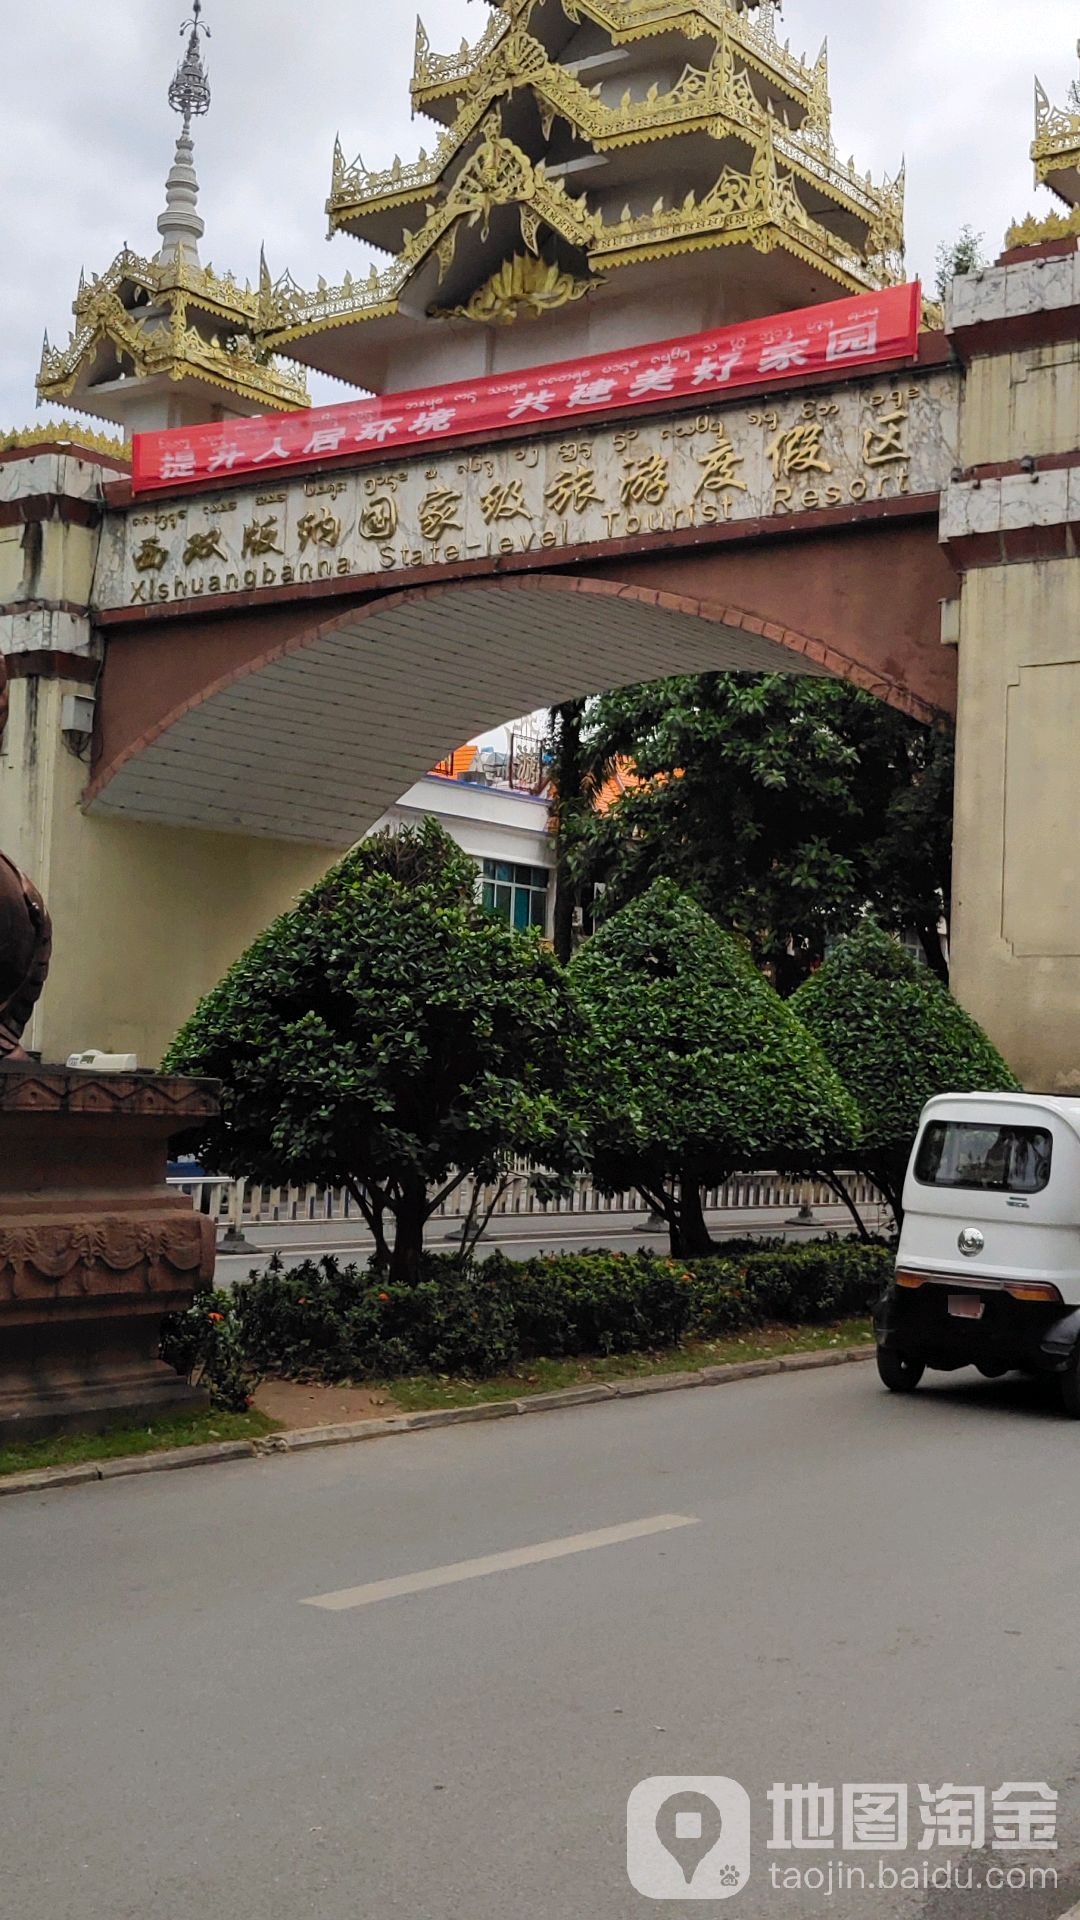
point(897, 1373)
point(993, 1371)
point(1070, 1387)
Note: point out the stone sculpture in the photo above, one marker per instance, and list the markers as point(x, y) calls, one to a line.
point(25, 938)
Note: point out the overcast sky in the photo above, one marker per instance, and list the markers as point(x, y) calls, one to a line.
point(87, 136)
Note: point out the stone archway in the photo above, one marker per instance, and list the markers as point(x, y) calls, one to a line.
point(312, 736)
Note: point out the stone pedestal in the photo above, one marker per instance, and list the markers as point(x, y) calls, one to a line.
point(94, 1246)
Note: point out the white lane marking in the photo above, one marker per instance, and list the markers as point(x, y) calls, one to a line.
point(497, 1563)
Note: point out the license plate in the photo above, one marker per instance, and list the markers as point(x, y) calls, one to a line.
point(966, 1306)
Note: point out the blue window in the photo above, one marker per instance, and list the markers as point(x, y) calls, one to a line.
point(515, 893)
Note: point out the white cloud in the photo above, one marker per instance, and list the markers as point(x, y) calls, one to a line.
point(87, 135)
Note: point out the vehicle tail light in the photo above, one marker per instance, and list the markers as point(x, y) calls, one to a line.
point(1034, 1290)
point(912, 1280)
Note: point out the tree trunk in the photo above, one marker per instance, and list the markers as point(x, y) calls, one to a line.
point(373, 1208)
point(568, 776)
point(889, 1178)
point(834, 1181)
point(789, 972)
point(691, 1239)
point(410, 1219)
point(930, 941)
point(665, 1208)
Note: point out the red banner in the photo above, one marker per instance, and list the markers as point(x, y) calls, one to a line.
point(874, 327)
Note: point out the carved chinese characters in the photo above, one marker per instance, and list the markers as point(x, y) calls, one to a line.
point(805, 452)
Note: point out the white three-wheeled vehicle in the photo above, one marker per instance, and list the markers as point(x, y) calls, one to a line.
point(988, 1269)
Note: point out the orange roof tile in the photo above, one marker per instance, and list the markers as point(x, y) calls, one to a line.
point(620, 780)
point(458, 762)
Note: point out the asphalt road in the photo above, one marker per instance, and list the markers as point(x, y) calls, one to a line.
point(872, 1590)
point(522, 1237)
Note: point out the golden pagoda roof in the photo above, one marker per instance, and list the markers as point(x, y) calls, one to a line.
point(719, 100)
point(170, 325)
point(1055, 154)
point(441, 80)
point(1056, 147)
point(137, 320)
point(539, 162)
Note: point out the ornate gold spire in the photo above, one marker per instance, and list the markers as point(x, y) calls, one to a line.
point(543, 120)
point(167, 341)
point(1055, 154)
point(181, 226)
point(189, 90)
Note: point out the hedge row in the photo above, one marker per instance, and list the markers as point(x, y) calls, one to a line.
point(328, 1322)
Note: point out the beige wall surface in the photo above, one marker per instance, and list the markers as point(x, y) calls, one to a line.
point(1021, 403)
point(1016, 926)
point(146, 919)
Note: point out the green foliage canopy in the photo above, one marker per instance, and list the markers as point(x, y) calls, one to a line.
point(896, 1037)
point(787, 806)
point(689, 1067)
point(965, 254)
point(388, 1036)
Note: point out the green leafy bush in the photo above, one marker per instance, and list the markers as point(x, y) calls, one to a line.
point(689, 1067)
point(326, 1321)
point(803, 1286)
point(208, 1346)
point(896, 1037)
point(388, 1036)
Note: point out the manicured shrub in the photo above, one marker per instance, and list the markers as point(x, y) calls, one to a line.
point(688, 1066)
point(388, 1036)
point(896, 1037)
point(326, 1321)
point(605, 1303)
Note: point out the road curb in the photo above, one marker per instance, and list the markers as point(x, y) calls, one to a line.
point(303, 1439)
point(172, 1460)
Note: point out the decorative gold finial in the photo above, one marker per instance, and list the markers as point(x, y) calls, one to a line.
point(189, 91)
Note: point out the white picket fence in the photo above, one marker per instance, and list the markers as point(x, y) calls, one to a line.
point(240, 1204)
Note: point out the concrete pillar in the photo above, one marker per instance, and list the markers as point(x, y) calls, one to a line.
point(1009, 521)
point(146, 919)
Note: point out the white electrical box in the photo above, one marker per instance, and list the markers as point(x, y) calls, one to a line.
point(95, 1062)
point(77, 713)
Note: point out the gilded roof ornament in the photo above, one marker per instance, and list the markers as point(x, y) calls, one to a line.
point(522, 289)
point(1055, 153)
point(1056, 148)
point(1053, 226)
point(488, 227)
point(170, 322)
point(65, 433)
point(189, 89)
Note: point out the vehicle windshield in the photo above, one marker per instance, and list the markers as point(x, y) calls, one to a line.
point(985, 1158)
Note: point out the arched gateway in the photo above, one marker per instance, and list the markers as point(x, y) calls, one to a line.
point(615, 437)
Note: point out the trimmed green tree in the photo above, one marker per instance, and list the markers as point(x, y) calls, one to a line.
point(787, 806)
point(688, 1067)
point(965, 254)
point(896, 1037)
point(570, 809)
point(386, 1036)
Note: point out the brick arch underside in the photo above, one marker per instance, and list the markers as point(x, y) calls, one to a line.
point(300, 724)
